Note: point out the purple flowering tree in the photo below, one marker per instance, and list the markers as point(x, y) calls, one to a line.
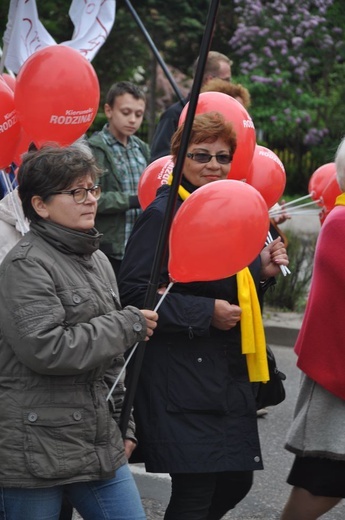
point(291, 55)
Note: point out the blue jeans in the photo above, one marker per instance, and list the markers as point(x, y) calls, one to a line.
point(114, 499)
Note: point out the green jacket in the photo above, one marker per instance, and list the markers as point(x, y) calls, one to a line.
point(113, 203)
point(63, 335)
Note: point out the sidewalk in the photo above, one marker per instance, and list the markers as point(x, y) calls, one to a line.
point(281, 328)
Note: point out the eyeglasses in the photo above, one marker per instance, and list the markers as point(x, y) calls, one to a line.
point(206, 157)
point(80, 194)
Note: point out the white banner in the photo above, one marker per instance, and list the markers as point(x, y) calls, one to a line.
point(25, 34)
point(93, 21)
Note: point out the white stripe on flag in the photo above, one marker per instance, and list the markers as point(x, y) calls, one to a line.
point(93, 21)
point(25, 35)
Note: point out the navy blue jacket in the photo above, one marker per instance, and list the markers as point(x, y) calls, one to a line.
point(194, 408)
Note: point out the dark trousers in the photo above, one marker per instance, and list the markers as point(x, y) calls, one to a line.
point(206, 496)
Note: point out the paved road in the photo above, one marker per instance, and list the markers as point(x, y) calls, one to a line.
point(270, 491)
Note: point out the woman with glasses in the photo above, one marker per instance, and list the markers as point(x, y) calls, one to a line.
point(63, 336)
point(194, 408)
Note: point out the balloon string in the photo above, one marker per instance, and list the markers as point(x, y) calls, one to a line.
point(274, 213)
point(313, 211)
point(135, 346)
point(285, 270)
point(296, 201)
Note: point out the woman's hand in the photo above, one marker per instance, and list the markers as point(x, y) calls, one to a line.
point(272, 257)
point(129, 447)
point(151, 321)
point(225, 315)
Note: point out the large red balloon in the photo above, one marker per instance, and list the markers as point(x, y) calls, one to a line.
point(56, 95)
point(219, 229)
point(9, 80)
point(319, 180)
point(9, 126)
point(330, 193)
point(22, 146)
point(155, 175)
point(243, 125)
point(267, 175)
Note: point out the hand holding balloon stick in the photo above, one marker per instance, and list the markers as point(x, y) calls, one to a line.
point(284, 269)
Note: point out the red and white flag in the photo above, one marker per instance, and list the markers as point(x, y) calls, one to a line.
point(93, 21)
point(25, 34)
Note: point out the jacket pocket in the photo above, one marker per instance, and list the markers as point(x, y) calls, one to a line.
point(54, 442)
point(197, 381)
point(78, 304)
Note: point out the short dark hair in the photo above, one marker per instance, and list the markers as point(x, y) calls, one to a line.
point(124, 87)
point(53, 168)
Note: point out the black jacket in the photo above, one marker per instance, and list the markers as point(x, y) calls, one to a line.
point(194, 406)
point(166, 127)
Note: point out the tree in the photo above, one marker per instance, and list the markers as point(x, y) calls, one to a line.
point(291, 57)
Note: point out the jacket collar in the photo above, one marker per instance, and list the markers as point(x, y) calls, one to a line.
point(67, 240)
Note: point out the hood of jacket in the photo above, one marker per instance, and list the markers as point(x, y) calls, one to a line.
point(11, 214)
point(67, 240)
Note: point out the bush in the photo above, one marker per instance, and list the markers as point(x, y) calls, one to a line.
point(291, 291)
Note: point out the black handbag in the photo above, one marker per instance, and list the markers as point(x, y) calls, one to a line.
point(272, 392)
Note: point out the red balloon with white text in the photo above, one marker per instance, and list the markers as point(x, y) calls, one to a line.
point(243, 125)
point(57, 95)
point(9, 126)
point(155, 175)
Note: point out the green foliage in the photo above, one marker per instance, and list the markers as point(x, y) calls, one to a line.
point(290, 55)
point(291, 291)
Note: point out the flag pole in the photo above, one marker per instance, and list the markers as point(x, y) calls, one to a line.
point(133, 375)
point(155, 52)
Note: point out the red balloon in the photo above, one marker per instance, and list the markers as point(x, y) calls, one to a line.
point(9, 126)
point(22, 146)
point(219, 229)
point(155, 175)
point(319, 180)
point(9, 80)
point(243, 125)
point(57, 95)
point(267, 175)
point(330, 193)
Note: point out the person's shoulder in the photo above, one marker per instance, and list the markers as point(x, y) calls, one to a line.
point(97, 139)
point(174, 109)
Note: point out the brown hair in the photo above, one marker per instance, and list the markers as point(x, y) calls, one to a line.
point(53, 168)
point(124, 87)
point(231, 89)
point(207, 127)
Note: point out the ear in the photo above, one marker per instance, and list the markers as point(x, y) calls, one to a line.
point(40, 207)
point(108, 111)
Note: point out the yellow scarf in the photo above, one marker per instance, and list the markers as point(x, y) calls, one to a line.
point(340, 200)
point(252, 330)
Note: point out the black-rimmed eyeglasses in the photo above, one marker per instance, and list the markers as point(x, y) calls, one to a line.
point(80, 194)
point(221, 158)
